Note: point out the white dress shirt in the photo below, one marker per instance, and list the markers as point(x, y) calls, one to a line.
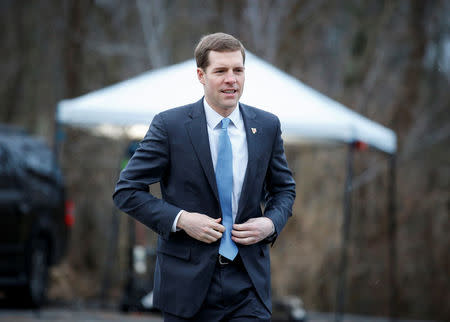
point(238, 138)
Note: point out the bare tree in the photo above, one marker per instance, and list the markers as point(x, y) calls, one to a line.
point(265, 20)
point(153, 19)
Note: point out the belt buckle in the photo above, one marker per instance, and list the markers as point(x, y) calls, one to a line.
point(223, 260)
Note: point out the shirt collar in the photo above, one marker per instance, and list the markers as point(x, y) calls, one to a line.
point(213, 118)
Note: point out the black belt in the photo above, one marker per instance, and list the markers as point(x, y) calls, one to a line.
point(223, 261)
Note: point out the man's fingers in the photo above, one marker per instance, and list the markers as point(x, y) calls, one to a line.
point(243, 233)
point(218, 227)
point(244, 226)
point(238, 227)
point(213, 231)
point(209, 239)
point(244, 241)
point(215, 234)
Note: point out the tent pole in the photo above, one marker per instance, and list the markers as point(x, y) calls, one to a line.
point(393, 292)
point(57, 139)
point(340, 293)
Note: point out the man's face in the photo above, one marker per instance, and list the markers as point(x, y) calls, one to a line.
point(223, 80)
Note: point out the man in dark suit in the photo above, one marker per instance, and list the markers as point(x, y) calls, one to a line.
point(214, 159)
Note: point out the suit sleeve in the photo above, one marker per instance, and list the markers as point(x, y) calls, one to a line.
point(147, 166)
point(279, 187)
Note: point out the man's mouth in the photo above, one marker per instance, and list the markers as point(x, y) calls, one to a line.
point(229, 91)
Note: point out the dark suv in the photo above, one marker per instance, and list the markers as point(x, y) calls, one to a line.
point(35, 217)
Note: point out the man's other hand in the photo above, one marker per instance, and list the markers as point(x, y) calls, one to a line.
point(252, 231)
point(201, 227)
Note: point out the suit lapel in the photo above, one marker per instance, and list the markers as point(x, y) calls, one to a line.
point(198, 133)
point(253, 134)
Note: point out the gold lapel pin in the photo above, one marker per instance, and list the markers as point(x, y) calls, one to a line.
point(253, 130)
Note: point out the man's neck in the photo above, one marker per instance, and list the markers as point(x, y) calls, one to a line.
point(223, 112)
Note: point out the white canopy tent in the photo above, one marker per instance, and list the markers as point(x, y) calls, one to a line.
point(305, 114)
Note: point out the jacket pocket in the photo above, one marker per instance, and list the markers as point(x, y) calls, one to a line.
point(174, 251)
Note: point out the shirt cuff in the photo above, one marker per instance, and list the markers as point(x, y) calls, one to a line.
point(174, 225)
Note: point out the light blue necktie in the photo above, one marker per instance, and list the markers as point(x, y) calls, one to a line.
point(224, 179)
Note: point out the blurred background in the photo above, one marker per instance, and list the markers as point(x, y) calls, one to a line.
point(387, 60)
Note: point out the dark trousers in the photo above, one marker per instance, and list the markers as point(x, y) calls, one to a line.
point(231, 297)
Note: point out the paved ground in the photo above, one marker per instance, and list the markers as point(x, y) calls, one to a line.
point(83, 315)
point(54, 315)
point(97, 312)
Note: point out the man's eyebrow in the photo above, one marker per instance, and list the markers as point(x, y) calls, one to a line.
point(226, 67)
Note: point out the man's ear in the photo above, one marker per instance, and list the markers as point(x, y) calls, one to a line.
point(201, 75)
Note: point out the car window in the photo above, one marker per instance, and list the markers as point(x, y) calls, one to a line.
point(29, 158)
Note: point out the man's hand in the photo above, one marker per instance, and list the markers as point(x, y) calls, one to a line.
point(252, 231)
point(201, 227)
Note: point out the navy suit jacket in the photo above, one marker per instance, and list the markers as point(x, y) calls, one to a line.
point(175, 152)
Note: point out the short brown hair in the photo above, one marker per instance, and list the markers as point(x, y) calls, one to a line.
point(220, 42)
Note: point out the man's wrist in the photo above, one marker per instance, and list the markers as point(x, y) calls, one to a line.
point(273, 226)
point(273, 235)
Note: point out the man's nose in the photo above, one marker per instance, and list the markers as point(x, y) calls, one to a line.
point(230, 77)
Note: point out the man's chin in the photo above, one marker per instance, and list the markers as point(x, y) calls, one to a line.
point(229, 104)
point(226, 106)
